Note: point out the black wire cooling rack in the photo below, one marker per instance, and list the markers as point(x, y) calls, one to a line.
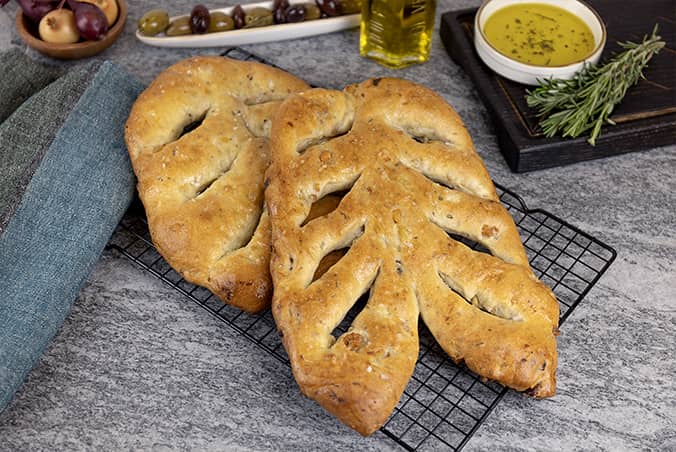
point(444, 403)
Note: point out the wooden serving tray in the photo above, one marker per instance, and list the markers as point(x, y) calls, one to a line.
point(645, 119)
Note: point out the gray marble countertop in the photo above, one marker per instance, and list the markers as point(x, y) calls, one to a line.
point(136, 367)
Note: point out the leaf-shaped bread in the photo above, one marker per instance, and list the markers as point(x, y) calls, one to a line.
point(411, 179)
point(203, 190)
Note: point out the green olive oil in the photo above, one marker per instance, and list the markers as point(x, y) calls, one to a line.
point(539, 34)
point(397, 33)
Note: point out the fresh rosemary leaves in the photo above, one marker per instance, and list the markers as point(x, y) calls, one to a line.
point(572, 107)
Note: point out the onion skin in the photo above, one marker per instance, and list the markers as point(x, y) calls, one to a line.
point(109, 8)
point(90, 20)
point(59, 27)
point(34, 10)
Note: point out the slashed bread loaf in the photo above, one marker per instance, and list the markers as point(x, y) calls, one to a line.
point(409, 183)
point(203, 189)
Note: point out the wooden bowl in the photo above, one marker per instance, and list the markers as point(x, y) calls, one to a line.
point(28, 31)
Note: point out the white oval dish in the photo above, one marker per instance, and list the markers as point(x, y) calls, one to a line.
point(527, 73)
point(276, 32)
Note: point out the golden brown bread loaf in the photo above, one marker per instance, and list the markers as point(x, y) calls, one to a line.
point(411, 178)
point(203, 190)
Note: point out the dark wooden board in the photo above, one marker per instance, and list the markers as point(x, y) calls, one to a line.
point(645, 119)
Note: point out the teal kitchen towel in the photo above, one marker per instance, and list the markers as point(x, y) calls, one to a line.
point(65, 182)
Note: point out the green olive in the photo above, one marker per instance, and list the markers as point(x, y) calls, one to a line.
point(220, 22)
point(349, 6)
point(312, 11)
point(179, 27)
point(258, 17)
point(153, 22)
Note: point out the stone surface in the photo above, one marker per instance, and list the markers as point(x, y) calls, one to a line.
point(135, 366)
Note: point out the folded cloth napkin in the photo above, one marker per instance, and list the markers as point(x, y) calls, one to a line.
point(17, 83)
point(65, 182)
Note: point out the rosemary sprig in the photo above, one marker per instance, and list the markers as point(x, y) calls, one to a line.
point(572, 107)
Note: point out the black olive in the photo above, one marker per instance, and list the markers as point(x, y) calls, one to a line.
point(295, 13)
point(199, 19)
point(329, 7)
point(279, 10)
point(279, 15)
point(238, 16)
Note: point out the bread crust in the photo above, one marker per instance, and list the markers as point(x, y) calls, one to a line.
point(203, 190)
point(413, 178)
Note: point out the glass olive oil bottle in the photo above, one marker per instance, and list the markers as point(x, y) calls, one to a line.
point(397, 33)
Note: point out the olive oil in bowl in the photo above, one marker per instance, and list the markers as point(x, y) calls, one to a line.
point(397, 33)
point(528, 41)
point(539, 34)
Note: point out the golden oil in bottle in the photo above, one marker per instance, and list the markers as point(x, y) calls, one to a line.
point(397, 33)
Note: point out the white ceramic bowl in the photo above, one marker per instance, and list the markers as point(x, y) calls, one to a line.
point(527, 73)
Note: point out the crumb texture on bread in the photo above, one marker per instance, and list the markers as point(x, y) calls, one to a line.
point(202, 189)
point(409, 184)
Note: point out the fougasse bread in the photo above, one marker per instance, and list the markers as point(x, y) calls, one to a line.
point(409, 183)
point(203, 189)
